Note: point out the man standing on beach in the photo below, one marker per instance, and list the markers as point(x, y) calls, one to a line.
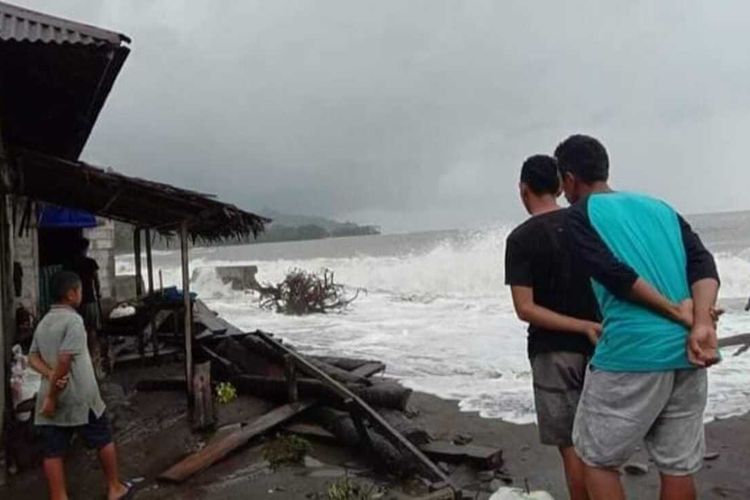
point(557, 302)
point(646, 381)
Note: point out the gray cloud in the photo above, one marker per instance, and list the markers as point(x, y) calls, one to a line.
point(417, 114)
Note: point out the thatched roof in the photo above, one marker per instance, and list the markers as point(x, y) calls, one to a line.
point(140, 202)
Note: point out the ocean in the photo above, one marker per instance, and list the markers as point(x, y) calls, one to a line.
point(435, 309)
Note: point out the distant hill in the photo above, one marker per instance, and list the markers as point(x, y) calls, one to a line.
point(284, 227)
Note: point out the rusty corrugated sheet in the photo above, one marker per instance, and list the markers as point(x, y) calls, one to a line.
point(23, 25)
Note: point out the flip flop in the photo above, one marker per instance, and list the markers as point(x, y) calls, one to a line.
point(131, 490)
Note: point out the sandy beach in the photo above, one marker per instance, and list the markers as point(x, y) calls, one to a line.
point(152, 433)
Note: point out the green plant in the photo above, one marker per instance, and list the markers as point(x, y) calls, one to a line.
point(286, 450)
point(346, 489)
point(226, 392)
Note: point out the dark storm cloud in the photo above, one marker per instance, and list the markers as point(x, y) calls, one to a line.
point(417, 114)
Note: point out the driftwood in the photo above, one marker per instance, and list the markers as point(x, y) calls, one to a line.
point(341, 425)
point(256, 348)
point(361, 410)
point(369, 369)
point(481, 456)
point(247, 360)
point(348, 364)
point(304, 292)
point(406, 426)
point(225, 444)
point(386, 395)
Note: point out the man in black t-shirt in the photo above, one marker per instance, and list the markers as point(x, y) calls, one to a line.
point(556, 300)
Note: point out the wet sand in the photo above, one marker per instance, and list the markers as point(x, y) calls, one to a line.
point(151, 433)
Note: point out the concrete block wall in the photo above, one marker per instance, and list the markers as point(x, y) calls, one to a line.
point(102, 249)
point(26, 252)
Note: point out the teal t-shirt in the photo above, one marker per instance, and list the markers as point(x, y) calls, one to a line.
point(645, 234)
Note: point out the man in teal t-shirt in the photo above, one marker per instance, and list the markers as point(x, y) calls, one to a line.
point(646, 380)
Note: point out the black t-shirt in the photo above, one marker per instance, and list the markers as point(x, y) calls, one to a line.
point(538, 256)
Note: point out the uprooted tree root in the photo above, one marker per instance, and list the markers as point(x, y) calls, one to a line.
point(304, 292)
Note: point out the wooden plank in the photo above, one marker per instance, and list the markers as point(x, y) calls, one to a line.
point(375, 419)
point(310, 430)
point(481, 456)
point(221, 447)
point(368, 369)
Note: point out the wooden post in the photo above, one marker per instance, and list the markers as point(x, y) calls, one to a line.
point(137, 258)
point(6, 332)
point(150, 273)
point(188, 311)
point(290, 372)
point(149, 261)
point(7, 313)
point(204, 412)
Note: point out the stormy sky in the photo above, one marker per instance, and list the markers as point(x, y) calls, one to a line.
point(417, 114)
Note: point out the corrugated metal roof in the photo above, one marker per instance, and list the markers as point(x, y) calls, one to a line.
point(23, 25)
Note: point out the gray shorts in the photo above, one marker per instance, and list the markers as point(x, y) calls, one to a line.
point(558, 382)
point(620, 410)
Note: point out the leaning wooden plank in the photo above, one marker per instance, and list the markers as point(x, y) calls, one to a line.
point(481, 456)
point(203, 315)
point(368, 369)
point(221, 447)
point(743, 338)
point(425, 464)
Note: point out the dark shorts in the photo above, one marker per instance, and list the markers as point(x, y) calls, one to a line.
point(558, 382)
point(56, 439)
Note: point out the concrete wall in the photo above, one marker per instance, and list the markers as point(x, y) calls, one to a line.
point(102, 249)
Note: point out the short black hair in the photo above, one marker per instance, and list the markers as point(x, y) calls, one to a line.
point(584, 157)
point(62, 283)
point(539, 173)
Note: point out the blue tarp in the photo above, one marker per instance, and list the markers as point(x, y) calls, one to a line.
point(54, 216)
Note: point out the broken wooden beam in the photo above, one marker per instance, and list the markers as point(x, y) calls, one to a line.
point(385, 395)
point(225, 444)
point(483, 457)
point(425, 465)
point(743, 338)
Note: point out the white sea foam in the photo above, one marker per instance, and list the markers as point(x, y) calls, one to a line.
point(439, 316)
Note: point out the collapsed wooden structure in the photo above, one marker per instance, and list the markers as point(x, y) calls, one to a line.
point(336, 398)
point(55, 76)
